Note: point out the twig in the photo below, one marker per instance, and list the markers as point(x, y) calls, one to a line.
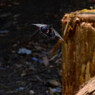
point(66, 26)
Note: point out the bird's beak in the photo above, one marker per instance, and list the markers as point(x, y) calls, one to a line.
point(37, 25)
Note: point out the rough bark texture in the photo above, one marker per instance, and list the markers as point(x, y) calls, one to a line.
point(78, 49)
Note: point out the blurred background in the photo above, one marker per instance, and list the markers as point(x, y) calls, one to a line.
point(26, 64)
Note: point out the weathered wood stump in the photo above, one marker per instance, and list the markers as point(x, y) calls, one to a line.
point(78, 49)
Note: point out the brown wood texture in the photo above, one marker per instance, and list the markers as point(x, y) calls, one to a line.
point(88, 88)
point(78, 51)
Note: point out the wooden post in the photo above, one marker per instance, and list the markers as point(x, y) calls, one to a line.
point(78, 49)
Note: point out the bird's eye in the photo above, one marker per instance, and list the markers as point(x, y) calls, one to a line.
point(44, 28)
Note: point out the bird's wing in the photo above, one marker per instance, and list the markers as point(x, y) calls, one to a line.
point(57, 34)
point(39, 25)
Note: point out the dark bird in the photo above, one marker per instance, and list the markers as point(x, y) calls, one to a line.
point(48, 30)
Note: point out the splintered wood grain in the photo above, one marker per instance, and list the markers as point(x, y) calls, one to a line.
point(78, 56)
point(88, 88)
